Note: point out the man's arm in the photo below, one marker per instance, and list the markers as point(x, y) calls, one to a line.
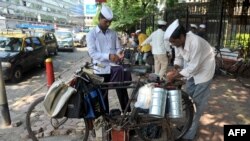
point(178, 60)
point(195, 59)
point(147, 41)
point(118, 46)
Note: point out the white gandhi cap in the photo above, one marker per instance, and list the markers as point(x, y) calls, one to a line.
point(193, 25)
point(171, 28)
point(107, 12)
point(137, 31)
point(161, 22)
point(202, 26)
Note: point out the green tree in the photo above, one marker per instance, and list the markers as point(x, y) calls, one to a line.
point(128, 13)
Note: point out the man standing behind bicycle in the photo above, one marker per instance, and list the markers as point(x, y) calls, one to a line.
point(104, 48)
point(159, 48)
point(198, 56)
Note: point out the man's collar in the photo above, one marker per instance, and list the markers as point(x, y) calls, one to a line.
point(97, 29)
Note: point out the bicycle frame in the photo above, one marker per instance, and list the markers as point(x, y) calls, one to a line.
point(134, 120)
point(135, 86)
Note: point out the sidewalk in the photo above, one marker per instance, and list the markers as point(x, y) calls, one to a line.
point(228, 104)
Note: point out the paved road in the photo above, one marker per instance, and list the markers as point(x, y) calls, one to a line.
point(33, 86)
point(228, 104)
point(36, 78)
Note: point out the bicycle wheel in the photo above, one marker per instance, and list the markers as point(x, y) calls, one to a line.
point(179, 126)
point(218, 63)
point(244, 74)
point(41, 127)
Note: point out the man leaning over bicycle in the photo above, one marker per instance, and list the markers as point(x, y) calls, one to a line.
point(198, 57)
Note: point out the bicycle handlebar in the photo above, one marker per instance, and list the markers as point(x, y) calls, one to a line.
point(151, 78)
point(89, 65)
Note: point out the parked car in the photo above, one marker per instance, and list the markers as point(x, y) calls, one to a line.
point(19, 53)
point(50, 41)
point(65, 40)
point(80, 39)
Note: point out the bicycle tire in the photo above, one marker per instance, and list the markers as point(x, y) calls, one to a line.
point(36, 115)
point(243, 73)
point(178, 127)
point(218, 63)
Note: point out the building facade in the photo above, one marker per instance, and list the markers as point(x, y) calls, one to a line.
point(28, 13)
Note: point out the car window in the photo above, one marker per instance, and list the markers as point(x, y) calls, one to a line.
point(12, 44)
point(51, 36)
point(28, 42)
point(37, 43)
point(47, 37)
point(63, 35)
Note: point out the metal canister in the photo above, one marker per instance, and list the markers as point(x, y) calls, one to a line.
point(174, 104)
point(158, 102)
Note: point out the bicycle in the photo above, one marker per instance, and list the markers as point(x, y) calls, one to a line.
point(222, 68)
point(238, 69)
point(244, 73)
point(139, 121)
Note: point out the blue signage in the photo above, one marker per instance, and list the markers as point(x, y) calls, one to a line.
point(77, 10)
point(90, 9)
point(34, 26)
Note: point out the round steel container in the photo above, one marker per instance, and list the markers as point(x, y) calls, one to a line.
point(174, 104)
point(158, 102)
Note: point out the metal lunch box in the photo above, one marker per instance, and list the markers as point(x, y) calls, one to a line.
point(174, 104)
point(158, 102)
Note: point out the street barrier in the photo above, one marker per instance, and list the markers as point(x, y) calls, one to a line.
point(49, 72)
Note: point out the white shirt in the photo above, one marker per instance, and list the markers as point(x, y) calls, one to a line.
point(156, 40)
point(198, 56)
point(100, 45)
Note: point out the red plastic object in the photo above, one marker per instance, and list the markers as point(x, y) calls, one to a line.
point(119, 135)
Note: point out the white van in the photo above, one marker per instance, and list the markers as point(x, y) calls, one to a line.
point(65, 40)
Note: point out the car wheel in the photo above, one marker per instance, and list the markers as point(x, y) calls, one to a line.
point(56, 52)
point(17, 75)
point(42, 64)
point(47, 52)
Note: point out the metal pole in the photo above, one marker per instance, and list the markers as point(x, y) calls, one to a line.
point(4, 108)
point(220, 27)
point(187, 18)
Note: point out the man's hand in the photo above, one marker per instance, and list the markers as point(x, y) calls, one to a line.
point(139, 48)
point(121, 54)
point(114, 58)
point(171, 75)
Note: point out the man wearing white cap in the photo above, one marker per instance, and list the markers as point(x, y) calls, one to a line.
point(104, 48)
point(202, 31)
point(159, 48)
point(193, 28)
point(199, 68)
